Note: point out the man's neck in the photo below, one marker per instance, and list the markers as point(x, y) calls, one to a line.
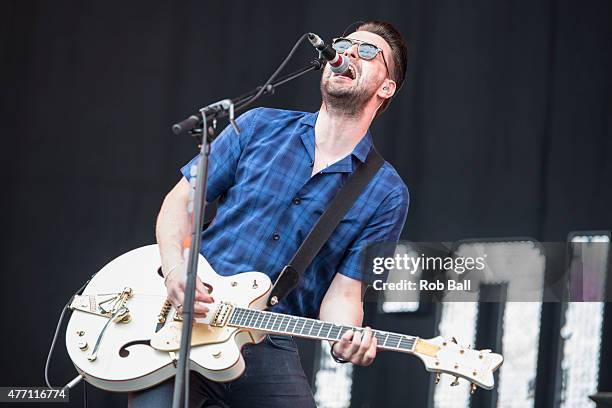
point(336, 134)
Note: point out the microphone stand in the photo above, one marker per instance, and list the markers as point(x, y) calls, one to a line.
point(197, 125)
point(227, 107)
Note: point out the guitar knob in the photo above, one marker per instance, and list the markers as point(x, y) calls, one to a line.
point(82, 344)
point(473, 389)
point(455, 382)
point(437, 380)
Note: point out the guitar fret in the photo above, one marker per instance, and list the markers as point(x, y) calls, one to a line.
point(314, 327)
point(380, 337)
point(287, 320)
point(277, 319)
point(259, 321)
point(273, 325)
point(293, 322)
point(333, 333)
point(234, 316)
point(406, 343)
point(268, 317)
point(306, 325)
point(327, 328)
point(241, 316)
point(395, 340)
point(249, 317)
point(264, 320)
point(279, 322)
point(276, 324)
point(253, 319)
point(303, 322)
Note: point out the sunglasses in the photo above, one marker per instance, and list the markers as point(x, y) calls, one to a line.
point(365, 50)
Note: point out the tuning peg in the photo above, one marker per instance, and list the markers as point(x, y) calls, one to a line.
point(437, 378)
point(455, 382)
point(473, 388)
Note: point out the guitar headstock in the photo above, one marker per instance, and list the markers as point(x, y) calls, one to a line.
point(446, 356)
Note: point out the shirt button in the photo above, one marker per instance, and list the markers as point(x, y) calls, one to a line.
point(297, 201)
point(276, 236)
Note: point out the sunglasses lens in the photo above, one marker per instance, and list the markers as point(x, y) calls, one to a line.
point(341, 45)
point(367, 51)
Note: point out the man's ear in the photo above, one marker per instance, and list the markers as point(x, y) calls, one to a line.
point(387, 89)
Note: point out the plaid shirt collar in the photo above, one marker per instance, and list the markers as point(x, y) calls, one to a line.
point(360, 152)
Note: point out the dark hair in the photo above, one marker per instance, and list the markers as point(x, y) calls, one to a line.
point(398, 47)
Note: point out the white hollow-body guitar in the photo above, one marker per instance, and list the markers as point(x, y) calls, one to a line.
point(124, 336)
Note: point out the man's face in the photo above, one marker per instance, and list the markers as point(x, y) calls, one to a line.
point(351, 91)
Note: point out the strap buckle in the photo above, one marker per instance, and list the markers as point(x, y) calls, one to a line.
point(287, 280)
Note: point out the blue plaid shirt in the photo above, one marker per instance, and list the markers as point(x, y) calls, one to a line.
point(269, 203)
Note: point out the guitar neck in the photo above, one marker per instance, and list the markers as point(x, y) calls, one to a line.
point(279, 323)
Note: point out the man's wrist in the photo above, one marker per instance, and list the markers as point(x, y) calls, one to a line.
point(168, 272)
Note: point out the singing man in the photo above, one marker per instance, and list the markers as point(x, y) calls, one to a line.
point(274, 180)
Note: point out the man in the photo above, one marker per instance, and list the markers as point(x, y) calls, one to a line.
point(275, 179)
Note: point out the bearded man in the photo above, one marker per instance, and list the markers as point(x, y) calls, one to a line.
point(274, 181)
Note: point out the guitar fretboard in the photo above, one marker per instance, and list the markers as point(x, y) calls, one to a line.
point(303, 327)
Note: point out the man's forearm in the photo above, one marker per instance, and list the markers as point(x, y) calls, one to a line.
point(342, 303)
point(342, 310)
point(173, 225)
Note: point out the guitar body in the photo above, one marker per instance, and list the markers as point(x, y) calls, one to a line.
point(125, 359)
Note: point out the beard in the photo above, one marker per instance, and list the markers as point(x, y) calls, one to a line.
point(346, 99)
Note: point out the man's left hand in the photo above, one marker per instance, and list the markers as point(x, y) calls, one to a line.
point(355, 348)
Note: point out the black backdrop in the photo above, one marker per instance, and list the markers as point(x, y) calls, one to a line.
point(504, 126)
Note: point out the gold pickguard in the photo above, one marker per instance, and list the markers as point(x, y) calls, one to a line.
point(169, 337)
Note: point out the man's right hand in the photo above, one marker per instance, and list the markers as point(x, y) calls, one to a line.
point(175, 285)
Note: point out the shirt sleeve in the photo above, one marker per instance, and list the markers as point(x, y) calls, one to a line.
point(378, 238)
point(224, 156)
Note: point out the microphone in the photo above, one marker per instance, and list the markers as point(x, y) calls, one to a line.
point(338, 63)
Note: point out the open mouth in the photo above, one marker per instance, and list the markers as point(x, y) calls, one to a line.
point(350, 73)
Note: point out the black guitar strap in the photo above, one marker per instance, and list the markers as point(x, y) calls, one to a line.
point(327, 223)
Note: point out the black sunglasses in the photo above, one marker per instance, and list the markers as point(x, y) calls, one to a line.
point(365, 50)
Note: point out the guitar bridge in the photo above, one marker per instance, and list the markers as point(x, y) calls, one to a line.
point(102, 304)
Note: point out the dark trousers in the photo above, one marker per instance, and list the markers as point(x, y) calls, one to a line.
point(273, 378)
